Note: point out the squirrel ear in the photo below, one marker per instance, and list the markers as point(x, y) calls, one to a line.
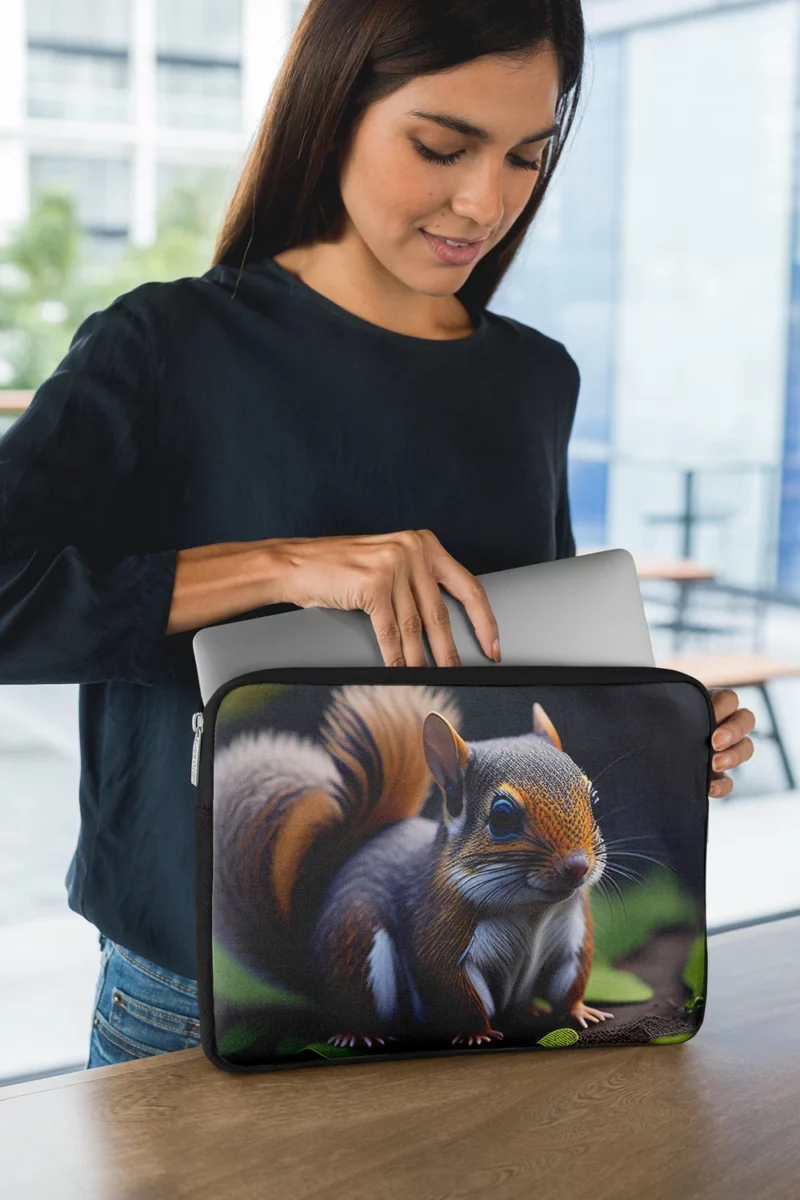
point(543, 724)
point(446, 754)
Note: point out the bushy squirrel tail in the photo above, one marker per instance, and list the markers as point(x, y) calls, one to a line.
point(373, 733)
point(289, 811)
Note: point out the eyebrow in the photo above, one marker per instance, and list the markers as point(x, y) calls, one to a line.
point(469, 130)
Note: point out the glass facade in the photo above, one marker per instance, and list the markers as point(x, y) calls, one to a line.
point(72, 86)
point(789, 532)
point(78, 60)
point(91, 22)
point(198, 69)
point(102, 187)
point(565, 280)
point(661, 258)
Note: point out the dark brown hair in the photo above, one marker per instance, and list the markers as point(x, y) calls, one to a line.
point(344, 56)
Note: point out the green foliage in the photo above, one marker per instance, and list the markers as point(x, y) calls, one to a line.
point(694, 974)
point(239, 1037)
point(51, 279)
point(233, 982)
point(557, 1038)
point(41, 297)
point(295, 1045)
point(248, 701)
point(623, 924)
point(246, 1033)
point(609, 985)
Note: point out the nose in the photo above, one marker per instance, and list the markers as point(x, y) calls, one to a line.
point(482, 202)
point(575, 866)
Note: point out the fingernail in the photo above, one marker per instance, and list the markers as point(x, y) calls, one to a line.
point(496, 650)
point(714, 789)
point(723, 761)
point(723, 738)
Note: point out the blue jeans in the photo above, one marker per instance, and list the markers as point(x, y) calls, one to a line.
point(140, 1009)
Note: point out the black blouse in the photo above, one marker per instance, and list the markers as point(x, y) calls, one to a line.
point(229, 407)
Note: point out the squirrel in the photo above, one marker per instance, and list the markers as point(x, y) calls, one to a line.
point(328, 879)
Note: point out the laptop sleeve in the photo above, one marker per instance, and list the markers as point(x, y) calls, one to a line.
point(406, 861)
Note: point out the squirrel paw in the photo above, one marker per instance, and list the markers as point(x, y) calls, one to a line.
point(485, 1035)
point(581, 1012)
point(350, 1039)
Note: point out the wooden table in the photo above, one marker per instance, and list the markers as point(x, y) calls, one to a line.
point(713, 1119)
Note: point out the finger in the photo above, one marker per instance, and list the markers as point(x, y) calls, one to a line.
point(725, 701)
point(387, 630)
point(409, 622)
point(721, 786)
point(735, 756)
point(435, 615)
point(734, 728)
point(467, 588)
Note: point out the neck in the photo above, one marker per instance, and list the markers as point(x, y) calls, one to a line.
point(347, 274)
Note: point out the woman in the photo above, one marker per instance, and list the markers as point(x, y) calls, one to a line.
point(328, 417)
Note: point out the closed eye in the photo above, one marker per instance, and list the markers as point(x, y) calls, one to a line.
point(447, 160)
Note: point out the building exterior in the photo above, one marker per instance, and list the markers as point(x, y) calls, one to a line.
point(666, 258)
point(121, 99)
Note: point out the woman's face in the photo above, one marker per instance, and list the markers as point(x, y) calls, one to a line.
point(392, 191)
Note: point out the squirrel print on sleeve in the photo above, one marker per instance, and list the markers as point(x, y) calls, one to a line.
point(402, 926)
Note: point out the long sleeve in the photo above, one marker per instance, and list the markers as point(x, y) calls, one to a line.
point(565, 540)
point(83, 598)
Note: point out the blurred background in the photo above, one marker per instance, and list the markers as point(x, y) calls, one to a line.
point(666, 257)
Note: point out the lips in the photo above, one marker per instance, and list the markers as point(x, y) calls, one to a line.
point(447, 237)
point(451, 255)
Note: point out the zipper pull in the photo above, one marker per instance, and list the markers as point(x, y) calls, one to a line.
point(197, 726)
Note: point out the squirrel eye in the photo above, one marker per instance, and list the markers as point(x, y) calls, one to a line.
point(505, 818)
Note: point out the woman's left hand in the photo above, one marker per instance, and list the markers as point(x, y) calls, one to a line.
point(729, 739)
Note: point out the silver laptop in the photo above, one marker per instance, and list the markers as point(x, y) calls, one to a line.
point(582, 611)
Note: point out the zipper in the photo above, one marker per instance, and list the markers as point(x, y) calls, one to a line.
point(197, 726)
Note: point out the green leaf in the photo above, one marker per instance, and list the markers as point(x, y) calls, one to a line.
point(233, 982)
point(558, 1037)
point(296, 1045)
point(327, 1051)
point(670, 1039)
point(609, 985)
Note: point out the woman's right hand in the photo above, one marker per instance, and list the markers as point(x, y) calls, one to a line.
point(394, 578)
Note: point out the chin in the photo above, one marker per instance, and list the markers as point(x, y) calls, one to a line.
point(547, 895)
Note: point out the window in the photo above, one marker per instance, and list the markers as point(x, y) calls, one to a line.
point(199, 95)
point(102, 187)
point(198, 66)
point(95, 22)
point(78, 65)
point(203, 28)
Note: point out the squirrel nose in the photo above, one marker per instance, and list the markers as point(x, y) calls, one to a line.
point(576, 864)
